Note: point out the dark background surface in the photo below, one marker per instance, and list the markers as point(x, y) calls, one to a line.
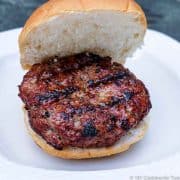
point(162, 15)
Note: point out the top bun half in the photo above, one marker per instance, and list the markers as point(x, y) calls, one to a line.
point(113, 28)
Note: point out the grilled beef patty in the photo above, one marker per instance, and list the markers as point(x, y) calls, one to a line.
point(83, 101)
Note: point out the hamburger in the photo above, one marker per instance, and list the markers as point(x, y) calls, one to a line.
point(79, 100)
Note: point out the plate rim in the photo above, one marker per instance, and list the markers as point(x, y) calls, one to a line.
point(11, 46)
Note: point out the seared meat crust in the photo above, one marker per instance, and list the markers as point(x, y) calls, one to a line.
point(83, 100)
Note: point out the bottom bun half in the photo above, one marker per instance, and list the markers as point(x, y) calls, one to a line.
point(133, 136)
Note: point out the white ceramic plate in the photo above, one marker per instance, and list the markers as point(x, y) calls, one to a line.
point(157, 64)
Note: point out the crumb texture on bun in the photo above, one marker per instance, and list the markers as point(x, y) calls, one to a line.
point(132, 137)
point(113, 28)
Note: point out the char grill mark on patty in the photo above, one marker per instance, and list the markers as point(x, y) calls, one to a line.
point(89, 130)
point(92, 108)
point(55, 95)
point(107, 78)
point(128, 95)
point(124, 124)
point(46, 114)
point(78, 111)
point(82, 97)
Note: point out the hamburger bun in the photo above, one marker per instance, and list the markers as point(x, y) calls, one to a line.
point(132, 137)
point(113, 28)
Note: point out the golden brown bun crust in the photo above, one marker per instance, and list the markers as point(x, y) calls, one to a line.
point(56, 7)
point(124, 144)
